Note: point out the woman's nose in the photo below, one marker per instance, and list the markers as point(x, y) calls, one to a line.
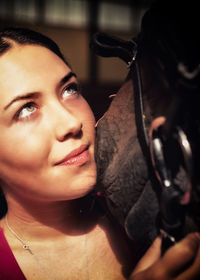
point(67, 124)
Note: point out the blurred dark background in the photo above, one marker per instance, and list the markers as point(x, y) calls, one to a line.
point(71, 24)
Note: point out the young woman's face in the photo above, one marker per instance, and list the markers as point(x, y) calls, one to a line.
point(46, 127)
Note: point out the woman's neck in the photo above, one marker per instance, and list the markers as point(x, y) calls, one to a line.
point(50, 220)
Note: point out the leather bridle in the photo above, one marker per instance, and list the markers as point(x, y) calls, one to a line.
point(172, 199)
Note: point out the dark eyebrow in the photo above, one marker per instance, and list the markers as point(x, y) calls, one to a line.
point(22, 97)
point(64, 80)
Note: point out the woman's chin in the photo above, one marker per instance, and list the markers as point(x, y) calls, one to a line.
point(81, 190)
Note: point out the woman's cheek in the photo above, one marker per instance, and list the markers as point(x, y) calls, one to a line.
point(88, 116)
point(23, 148)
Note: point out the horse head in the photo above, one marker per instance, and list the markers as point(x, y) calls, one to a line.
point(147, 148)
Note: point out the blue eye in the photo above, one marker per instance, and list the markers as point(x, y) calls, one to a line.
point(26, 111)
point(71, 89)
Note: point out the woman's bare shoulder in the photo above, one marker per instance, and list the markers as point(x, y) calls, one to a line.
point(108, 248)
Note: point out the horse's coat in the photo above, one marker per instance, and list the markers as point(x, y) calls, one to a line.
point(122, 170)
point(123, 176)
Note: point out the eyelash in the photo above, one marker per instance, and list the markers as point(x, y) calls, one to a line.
point(20, 112)
point(74, 87)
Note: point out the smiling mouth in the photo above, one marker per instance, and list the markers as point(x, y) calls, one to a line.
point(77, 157)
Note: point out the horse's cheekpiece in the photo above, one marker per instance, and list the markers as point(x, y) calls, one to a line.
point(172, 150)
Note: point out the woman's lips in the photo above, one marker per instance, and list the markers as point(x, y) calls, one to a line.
point(79, 159)
point(78, 156)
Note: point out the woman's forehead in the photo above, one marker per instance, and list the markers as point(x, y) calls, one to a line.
point(29, 68)
point(29, 56)
point(30, 62)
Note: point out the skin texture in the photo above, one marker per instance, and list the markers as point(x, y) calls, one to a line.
point(38, 135)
